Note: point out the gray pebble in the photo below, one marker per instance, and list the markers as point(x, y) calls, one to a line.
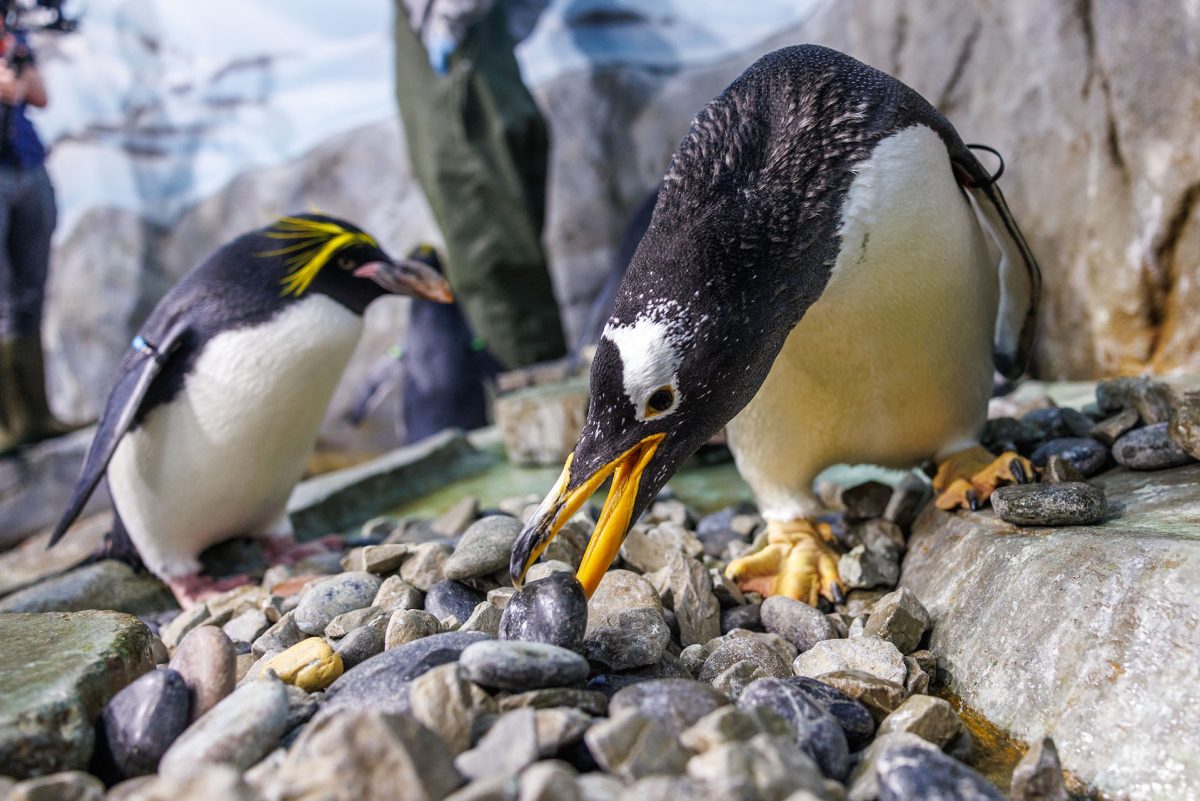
point(139, 723)
point(854, 718)
point(797, 622)
point(241, 729)
point(359, 646)
point(552, 610)
point(746, 616)
point(485, 547)
point(206, 661)
point(452, 599)
point(515, 665)
point(674, 703)
point(907, 773)
point(867, 500)
point(1083, 453)
point(1149, 448)
point(322, 601)
point(1063, 504)
point(1184, 426)
point(818, 733)
point(627, 639)
point(738, 649)
point(282, 635)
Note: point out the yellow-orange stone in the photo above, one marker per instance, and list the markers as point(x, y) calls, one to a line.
point(310, 664)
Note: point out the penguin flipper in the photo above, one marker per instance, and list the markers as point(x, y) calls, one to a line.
point(138, 371)
point(1020, 282)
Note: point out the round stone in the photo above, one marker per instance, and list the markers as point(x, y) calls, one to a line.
point(739, 649)
point(485, 547)
point(800, 624)
point(1064, 504)
point(207, 661)
point(452, 599)
point(1083, 453)
point(360, 645)
point(552, 610)
point(515, 665)
point(1149, 448)
point(140, 722)
point(746, 616)
point(818, 733)
point(322, 601)
point(908, 772)
point(310, 665)
point(854, 718)
point(675, 703)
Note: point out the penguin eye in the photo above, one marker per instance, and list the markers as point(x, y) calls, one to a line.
point(345, 263)
point(660, 401)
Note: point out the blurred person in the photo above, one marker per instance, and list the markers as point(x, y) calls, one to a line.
point(27, 218)
point(479, 149)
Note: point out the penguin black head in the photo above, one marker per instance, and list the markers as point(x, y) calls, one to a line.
point(309, 253)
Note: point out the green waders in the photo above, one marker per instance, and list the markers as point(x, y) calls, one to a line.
point(478, 146)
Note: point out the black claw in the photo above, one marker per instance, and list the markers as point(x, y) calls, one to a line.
point(973, 500)
point(1018, 470)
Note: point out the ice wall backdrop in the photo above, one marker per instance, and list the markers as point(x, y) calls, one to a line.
point(175, 126)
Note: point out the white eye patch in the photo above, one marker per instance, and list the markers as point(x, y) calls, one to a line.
point(650, 361)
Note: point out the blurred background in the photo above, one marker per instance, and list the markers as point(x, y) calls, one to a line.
point(174, 126)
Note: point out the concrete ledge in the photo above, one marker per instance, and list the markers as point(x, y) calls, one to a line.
point(1088, 634)
point(337, 501)
point(36, 484)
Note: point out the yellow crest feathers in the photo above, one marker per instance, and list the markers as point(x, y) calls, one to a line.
point(313, 244)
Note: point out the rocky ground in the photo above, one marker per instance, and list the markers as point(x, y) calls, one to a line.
point(406, 667)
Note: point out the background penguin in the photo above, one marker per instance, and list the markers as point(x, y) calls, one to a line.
point(830, 272)
point(217, 405)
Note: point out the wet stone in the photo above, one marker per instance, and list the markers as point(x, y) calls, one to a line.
point(631, 745)
point(207, 663)
point(1149, 448)
point(553, 610)
point(797, 622)
point(141, 722)
point(322, 601)
point(929, 718)
point(855, 719)
point(485, 548)
point(906, 773)
point(674, 703)
point(239, 730)
point(900, 618)
point(1111, 429)
point(409, 625)
point(818, 733)
point(880, 697)
point(360, 645)
point(1064, 504)
point(747, 616)
point(1038, 776)
point(628, 638)
point(870, 655)
point(738, 649)
point(452, 599)
point(1083, 453)
point(516, 665)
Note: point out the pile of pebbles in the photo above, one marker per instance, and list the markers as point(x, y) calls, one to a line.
point(1136, 423)
point(406, 668)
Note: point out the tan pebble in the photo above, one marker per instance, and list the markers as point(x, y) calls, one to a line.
point(208, 663)
point(292, 586)
point(310, 665)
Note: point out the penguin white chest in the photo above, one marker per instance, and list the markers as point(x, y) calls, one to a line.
point(220, 459)
point(893, 363)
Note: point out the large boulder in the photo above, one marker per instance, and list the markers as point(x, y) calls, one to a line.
point(57, 671)
point(1088, 632)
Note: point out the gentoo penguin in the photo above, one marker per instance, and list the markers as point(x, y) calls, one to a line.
point(831, 273)
point(217, 404)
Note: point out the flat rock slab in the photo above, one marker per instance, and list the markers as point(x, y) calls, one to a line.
point(57, 671)
point(1085, 633)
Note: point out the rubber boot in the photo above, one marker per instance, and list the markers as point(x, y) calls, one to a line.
point(30, 418)
point(13, 417)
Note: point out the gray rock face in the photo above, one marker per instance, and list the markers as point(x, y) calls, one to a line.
point(485, 547)
point(868, 654)
point(552, 610)
point(797, 622)
point(106, 584)
point(1116, 716)
point(674, 703)
point(141, 722)
point(367, 755)
point(818, 733)
point(1149, 448)
point(1065, 503)
point(58, 671)
point(916, 774)
point(240, 730)
point(322, 601)
point(514, 665)
point(381, 682)
point(900, 618)
point(207, 662)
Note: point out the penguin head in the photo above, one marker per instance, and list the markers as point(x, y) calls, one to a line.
point(317, 253)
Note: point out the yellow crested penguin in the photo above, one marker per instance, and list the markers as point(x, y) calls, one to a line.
point(830, 272)
point(217, 404)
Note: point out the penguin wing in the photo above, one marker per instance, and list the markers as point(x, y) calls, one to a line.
point(139, 370)
point(1020, 281)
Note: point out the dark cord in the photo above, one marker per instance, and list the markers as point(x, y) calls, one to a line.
point(996, 153)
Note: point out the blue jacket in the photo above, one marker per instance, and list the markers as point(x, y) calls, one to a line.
point(21, 146)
